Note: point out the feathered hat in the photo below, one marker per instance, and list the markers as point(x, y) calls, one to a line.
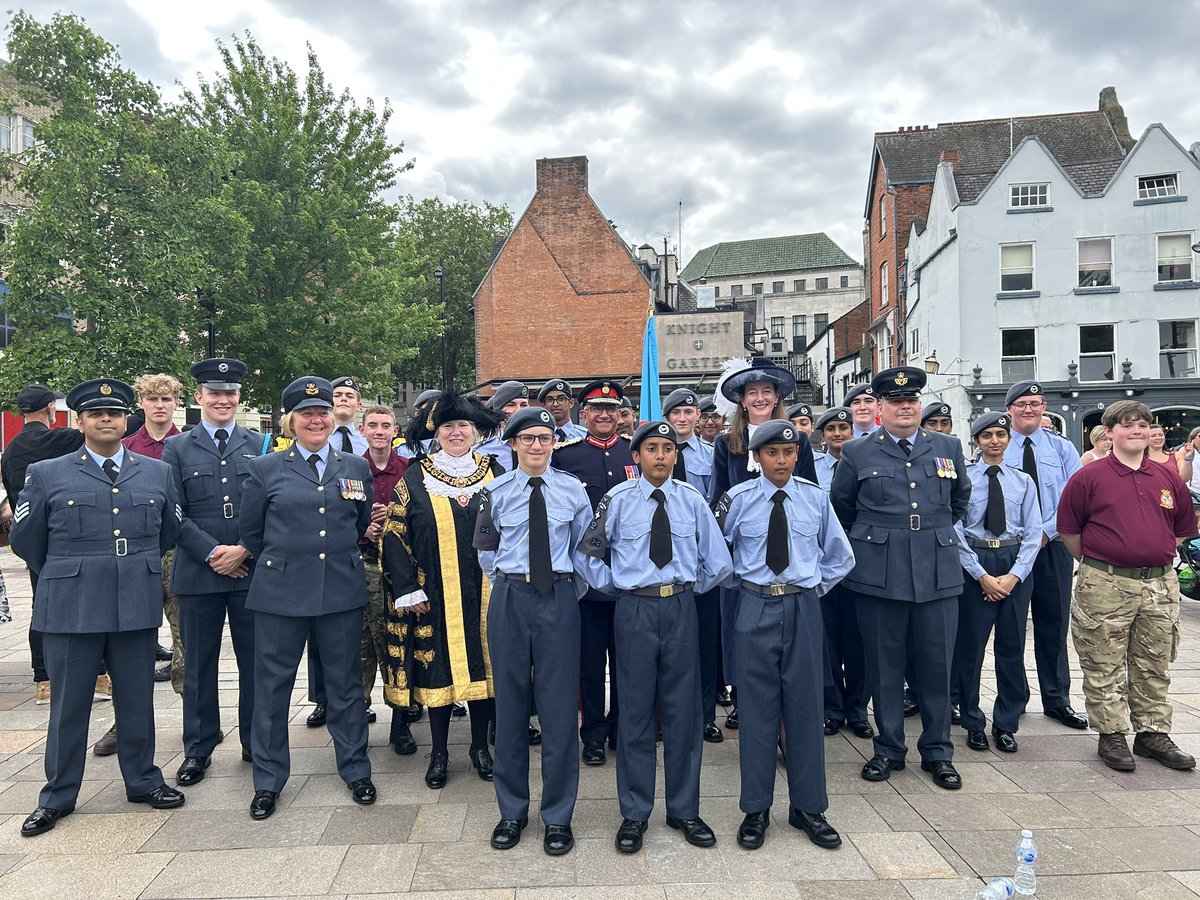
point(737, 374)
point(451, 406)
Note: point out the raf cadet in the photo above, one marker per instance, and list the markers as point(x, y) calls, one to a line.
point(509, 397)
point(937, 416)
point(998, 542)
point(94, 526)
point(711, 420)
point(898, 493)
point(654, 542)
point(801, 415)
point(864, 405)
point(304, 510)
point(788, 552)
point(600, 461)
point(347, 404)
point(211, 575)
point(530, 519)
point(555, 395)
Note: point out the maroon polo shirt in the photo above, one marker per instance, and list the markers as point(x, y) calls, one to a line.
point(384, 481)
point(1127, 517)
point(141, 443)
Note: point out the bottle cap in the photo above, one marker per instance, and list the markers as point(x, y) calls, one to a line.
point(1025, 832)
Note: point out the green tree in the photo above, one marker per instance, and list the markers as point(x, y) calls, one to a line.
point(462, 238)
point(120, 219)
point(326, 287)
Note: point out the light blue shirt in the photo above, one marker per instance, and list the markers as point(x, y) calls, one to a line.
point(1057, 461)
point(621, 526)
point(212, 429)
point(499, 449)
point(358, 443)
point(819, 553)
point(322, 457)
point(502, 527)
point(1022, 519)
point(698, 459)
point(118, 458)
point(570, 431)
point(826, 465)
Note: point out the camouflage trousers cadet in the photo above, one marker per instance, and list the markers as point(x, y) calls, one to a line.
point(1126, 632)
point(374, 633)
point(171, 611)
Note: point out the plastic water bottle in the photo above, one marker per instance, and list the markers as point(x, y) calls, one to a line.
point(1025, 879)
point(999, 889)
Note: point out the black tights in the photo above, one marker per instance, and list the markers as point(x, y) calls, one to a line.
point(482, 712)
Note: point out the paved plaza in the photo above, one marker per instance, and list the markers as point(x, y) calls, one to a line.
point(1100, 833)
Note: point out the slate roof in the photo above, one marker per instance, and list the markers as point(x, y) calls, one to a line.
point(761, 256)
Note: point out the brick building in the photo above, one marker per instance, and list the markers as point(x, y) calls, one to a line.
point(564, 296)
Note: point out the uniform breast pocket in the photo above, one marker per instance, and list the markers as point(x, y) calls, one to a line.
point(147, 511)
point(804, 539)
point(74, 514)
point(874, 482)
point(243, 471)
point(940, 489)
point(198, 482)
point(869, 543)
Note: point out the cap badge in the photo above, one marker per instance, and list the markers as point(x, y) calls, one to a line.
point(545, 416)
point(1034, 389)
point(311, 388)
point(1003, 420)
point(901, 379)
point(788, 434)
point(606, 390)
point(106, 389)
point(663, 429)
point(223, 367)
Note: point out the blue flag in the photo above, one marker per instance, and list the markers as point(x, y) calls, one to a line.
point(650, 403)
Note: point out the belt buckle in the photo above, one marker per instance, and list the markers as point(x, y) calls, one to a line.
point(776, 590)
point(666, 590)
point(992, 544)
point(1145, 572)
point(914, 522)
point(227, 509)
point(122, 547)
point(528, 578)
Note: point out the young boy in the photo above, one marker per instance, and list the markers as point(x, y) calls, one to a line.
point(665, 547)
point(998, 542)
point(1122, 517)
point(788, 550)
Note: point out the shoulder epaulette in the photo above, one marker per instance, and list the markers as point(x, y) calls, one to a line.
point(568, 442)
point(626, 436)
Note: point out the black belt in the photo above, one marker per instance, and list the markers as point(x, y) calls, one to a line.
point(114, 547)
point(993, 544)
point(526, 578)
point(912, 523)
point(773, 590)
point(1142, 574)
point(661, 590)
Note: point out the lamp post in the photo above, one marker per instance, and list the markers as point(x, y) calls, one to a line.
point(440, 274)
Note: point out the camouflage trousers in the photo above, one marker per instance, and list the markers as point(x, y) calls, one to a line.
point(171, 611)
point(374, 633)
point(1126, 632)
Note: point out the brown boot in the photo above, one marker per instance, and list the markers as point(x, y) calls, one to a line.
point(1158, 745)
point(1115, 752)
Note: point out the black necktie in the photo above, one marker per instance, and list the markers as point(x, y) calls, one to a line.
point(778, 554)
point(994, 520)
point(833, 468)
point(347, 446)
point(541, 571)
point(110, 469)
point(680, 471)
point(222, 437)
point(562, 435)
point(905, 445)
point(660, 531)
point(1029, 465)
point(312, 464)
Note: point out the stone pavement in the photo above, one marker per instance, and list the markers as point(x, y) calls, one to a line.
point(1100, 833)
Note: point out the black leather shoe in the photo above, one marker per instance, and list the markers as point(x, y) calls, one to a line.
point(481, 760)
point(832, 726)
point(558, 840)
point(401, 737)
point(42, 820)
point(246, 757)
point(911, 706)
point(862, 729)
point(731, 720)
point(944, 774)
point(162, 654)
point(695, 831)
point(819, 831)
point(507, 834)
point(414, 713)
point(363, 791)
point(192, 770)
point(712, 733)
point(162, 797)
point(458, 710)
point(753, 830)
point(317, 717)
point(977, 740)
point(162, 673)
point(372, 716)
point(1006, 742)
point(535, 736)
point(880, 768)
point(629, 835)
point(724, 698)
point(955, 714)
point(593, 753)
point(107, 745)
point(437, 773)
point(1068, 717)
point(263, 804)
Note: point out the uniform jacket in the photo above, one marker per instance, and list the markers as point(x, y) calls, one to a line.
point(879, 494)
point(210, 494)
point(598, 468)
point(96, 545)
point(304, 534)
point(729, 469)
point(34, 443)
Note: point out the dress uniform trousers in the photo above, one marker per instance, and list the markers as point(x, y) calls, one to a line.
point(976, 618)
point(658, 664)
point(727, 613)
point(279, 644)
point(596, 642)
point(894, 631)
point(527, 630)
point(1050, 604)
point(781, 674)
point(202, 626)
point(708, 620)
point(846, 688)
point(71, 662)
point(316, 672)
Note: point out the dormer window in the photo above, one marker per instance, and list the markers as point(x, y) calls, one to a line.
point(1024, 196)
point(1155, 187)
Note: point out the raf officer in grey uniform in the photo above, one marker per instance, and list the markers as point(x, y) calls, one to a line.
point(899, 492)
point(555, 396)
point(530, 520)
point(211, 575)
point(304, 510)
point(99, 594)
point(508, 399)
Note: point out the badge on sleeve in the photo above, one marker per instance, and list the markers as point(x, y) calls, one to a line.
point(352, 489)
point(1166, 499)
point(632, 472)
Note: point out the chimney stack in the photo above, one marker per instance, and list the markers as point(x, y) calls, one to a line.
point(949, 156)
point(561, 176)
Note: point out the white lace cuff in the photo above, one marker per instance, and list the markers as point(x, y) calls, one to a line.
point(404, 601)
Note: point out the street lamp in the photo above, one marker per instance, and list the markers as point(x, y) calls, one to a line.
point(439, 273)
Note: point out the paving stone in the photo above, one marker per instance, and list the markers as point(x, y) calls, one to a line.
point(192, 829)
point(447, 867)
point(22, 796)
point(439, 822)
point(594, 892)
point(1153, 807)
point(1052, 747)
point(1148, 776)
point(1143, 885)
point(1063, 851)
point(942, 889)
point(375, 824)
point(273, 872)
point(23, 767)
point(1155, 849)
point(378, 868)
point(961, 811)
point(852, 890)
point(79, 834)
point(770, 890)
point(1039, 810)
point(665, 858)
point(897, 812)
point(330, 790)
point(1190, 879)
point(1044, 777)
point(8, 860)
point(491, 894)
point(95, 876)
point(902, 855)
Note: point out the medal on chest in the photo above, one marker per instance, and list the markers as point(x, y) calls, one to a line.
point(352, 489)
point(945, 467)
point(462, 500)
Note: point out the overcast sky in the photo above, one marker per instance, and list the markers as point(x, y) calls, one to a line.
point(757, 116)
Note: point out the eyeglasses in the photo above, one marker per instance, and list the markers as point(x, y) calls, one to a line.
point(711, 416)
point(1030, 404)
point(557, 401)
point(528, 440)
